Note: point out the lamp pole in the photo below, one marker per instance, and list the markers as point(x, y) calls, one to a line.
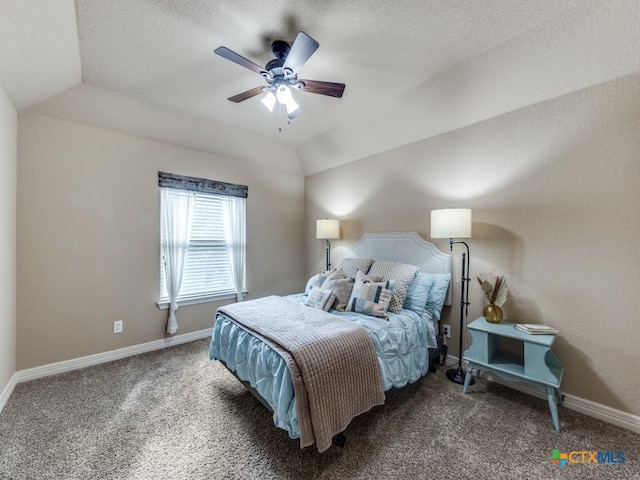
point(457, 375)
point(328, 254)
point(455, 223)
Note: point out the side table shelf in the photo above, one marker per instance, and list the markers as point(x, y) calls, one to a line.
point(538, 366)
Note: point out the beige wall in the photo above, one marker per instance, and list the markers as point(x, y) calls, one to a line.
point(554, 190)
point(8, 161)
point(88, 237)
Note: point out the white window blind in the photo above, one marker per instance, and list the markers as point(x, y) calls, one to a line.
point(207, 271)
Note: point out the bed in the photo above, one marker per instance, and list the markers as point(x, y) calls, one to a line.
point(396, 346)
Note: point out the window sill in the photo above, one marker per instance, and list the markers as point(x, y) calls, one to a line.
point(164, 304)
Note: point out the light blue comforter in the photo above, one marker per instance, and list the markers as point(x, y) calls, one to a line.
point(400, 343)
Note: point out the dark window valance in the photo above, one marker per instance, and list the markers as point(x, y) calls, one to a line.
point(182, 182)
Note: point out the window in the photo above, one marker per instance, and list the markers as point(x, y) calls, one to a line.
point(210, 245)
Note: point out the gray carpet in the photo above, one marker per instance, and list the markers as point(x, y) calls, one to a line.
point(173, 414)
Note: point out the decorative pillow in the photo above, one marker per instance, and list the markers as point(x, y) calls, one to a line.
point(437, 294)
point(403, 275)
point(369, 297)
point(320, 299)
point(341, 286)
point(350, 266)
point(317, 280)
point(418, 292)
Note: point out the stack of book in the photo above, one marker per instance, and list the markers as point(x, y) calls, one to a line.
point(535, 329)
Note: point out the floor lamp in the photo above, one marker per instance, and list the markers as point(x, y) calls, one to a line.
point(327, 229)
point(453, 223)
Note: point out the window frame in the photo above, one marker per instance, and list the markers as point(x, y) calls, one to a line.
point(206, 187)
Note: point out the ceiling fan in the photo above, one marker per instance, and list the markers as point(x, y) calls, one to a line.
point(281, 75)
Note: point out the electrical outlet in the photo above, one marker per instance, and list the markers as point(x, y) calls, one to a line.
point(117, 326)
point(446, 329)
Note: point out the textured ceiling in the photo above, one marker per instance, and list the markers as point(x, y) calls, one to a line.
point(162, 51)
point(39, 52)
point(413, 68)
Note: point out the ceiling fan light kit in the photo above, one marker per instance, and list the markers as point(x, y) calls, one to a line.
point(281, 75)
point(282, 98)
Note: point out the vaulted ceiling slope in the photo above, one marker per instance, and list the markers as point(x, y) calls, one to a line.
point(413, 69)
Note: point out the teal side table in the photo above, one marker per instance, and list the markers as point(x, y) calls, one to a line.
point(538, 366)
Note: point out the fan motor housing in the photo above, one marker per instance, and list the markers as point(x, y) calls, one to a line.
point(280, 49)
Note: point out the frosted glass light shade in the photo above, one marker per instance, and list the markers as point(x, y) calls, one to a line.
point(269, 101)
point(284, 96)
point(327, 228)
point(451, 223)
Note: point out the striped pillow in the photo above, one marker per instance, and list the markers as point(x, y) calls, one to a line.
point(370, 297)
point(320, 299)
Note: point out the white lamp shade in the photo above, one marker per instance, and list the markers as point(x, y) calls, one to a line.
point(451, 223)
point(327, 228)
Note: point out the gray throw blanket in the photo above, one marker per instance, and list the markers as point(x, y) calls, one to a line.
point(332, 362)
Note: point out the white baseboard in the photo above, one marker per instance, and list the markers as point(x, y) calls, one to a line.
point(90, 360)
point(7, 391)
point(587, 407)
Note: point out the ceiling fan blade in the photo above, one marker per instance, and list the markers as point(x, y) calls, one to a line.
point(301, 50)
point(323, 88)
point(241, 97)
point(224, 52)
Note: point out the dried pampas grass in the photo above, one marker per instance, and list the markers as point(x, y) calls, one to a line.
point(497, 293)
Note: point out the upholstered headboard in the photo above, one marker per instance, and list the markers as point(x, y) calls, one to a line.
point(404, 247)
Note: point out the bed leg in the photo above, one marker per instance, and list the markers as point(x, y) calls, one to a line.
point(340, 439)
point(443, 355)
